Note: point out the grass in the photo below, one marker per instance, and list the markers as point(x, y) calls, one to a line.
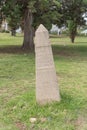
point(17, 86)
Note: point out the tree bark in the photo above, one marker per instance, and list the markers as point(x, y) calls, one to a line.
point(73, 37)
point(13, 32)
point(73, 34)
point(28, 42)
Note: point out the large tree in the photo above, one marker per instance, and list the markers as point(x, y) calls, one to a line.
point(32, 13)
point(73, 11)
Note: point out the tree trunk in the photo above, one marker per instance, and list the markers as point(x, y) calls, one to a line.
point(73, 37)
point(28, 42)
point(13, 32)
point(73, 33)
point(72, 29)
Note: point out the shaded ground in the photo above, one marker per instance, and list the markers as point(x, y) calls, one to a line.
point(13, 49)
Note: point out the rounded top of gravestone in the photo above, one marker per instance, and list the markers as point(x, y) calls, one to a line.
point(41, 28)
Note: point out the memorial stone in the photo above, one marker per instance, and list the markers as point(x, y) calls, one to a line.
point(47, 90)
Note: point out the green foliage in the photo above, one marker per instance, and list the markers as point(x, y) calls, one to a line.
point(12, 14)
point(72, 26)
point(73, 11)
point(1, 13)
point(46, 13)
point(31, 6)
point(43, 11)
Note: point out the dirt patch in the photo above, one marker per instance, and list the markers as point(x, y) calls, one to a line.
point(81, 123)
point(21, 126)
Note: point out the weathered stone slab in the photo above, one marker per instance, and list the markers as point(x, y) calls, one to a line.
point(46, 80)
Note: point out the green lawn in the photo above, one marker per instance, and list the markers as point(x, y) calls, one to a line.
point(17, 86)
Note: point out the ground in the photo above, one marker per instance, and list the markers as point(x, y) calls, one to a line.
point(17, 86)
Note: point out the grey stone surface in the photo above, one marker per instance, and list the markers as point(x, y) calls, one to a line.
point(46, 81)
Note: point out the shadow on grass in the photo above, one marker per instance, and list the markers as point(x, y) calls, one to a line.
point(68, 50)
point(80, 42)
point(70, 102)
point(13, 49)
point(61, 50)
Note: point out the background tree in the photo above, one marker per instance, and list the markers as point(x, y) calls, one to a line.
point(37, 12)
point(1, 12)
point(31, 13)
point(73, 11)
point(12, 14)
